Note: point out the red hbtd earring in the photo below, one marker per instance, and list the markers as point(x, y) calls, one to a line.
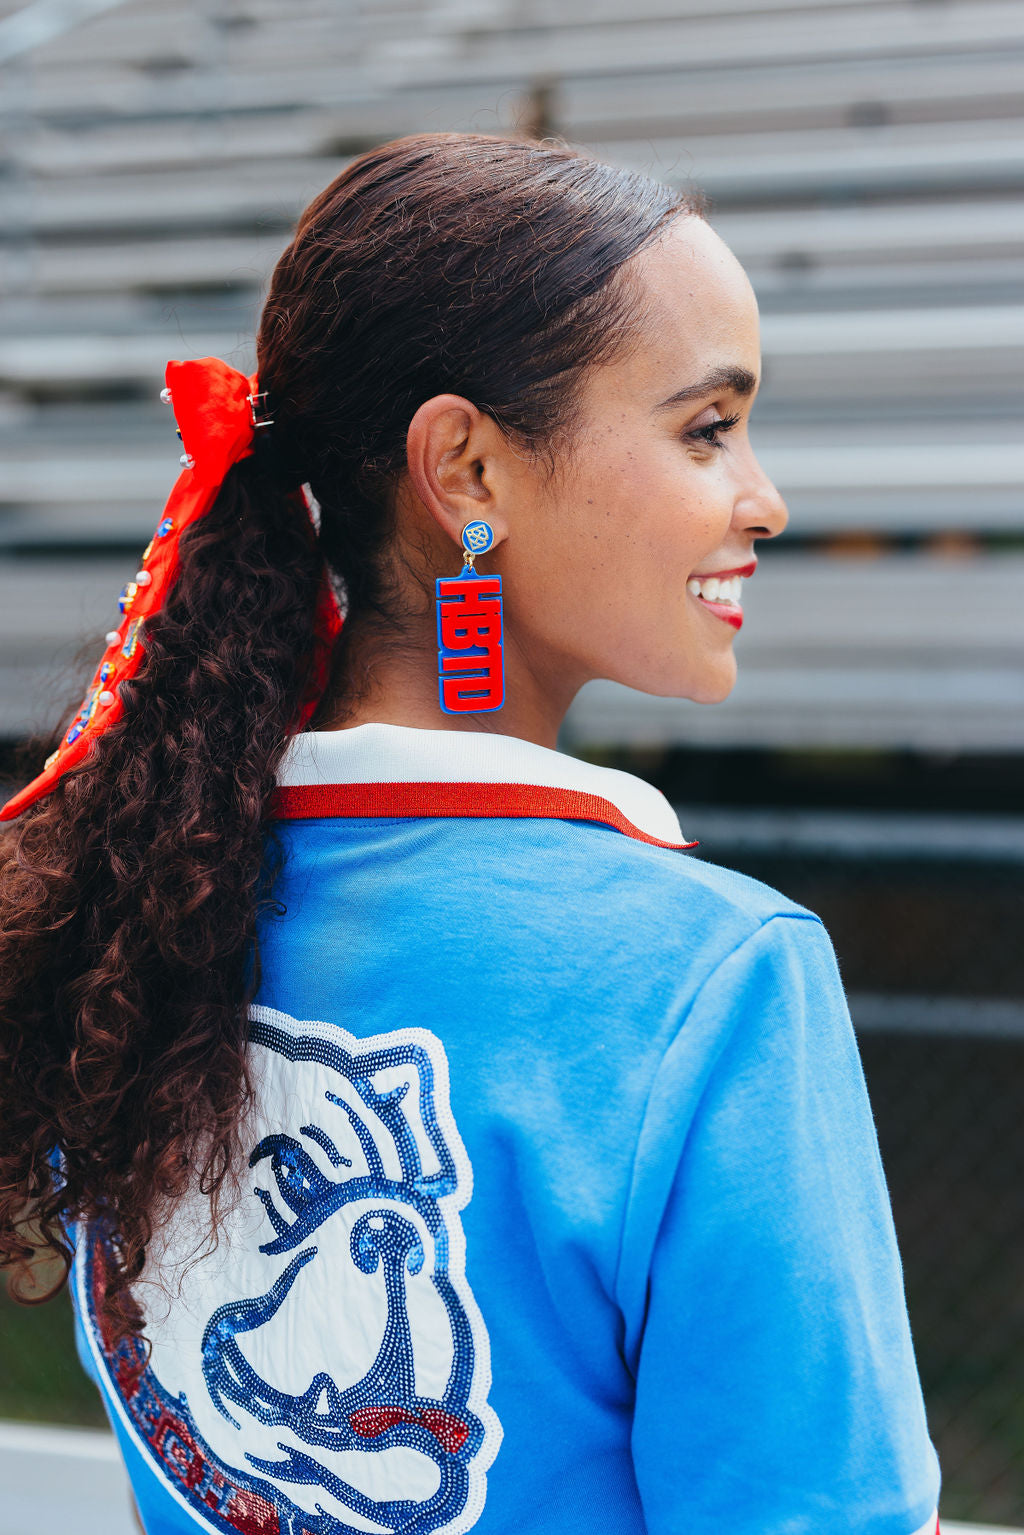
point(470, 663)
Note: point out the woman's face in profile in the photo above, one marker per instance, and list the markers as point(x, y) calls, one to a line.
point(650, 497)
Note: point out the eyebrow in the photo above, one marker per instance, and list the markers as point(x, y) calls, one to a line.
point(738, 380)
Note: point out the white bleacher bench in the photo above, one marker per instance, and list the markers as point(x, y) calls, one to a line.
point(542, 13)
point(991, 327)
point(177, 262)
point(294, 65)
point(893, 157)
point(888, 230)
point(885, 30)
point(818, 237)
point(322, 109)
point(830, 249)
point(65, 359)
point(234, 193)
point(234, 189)
point(57, 149)
point(786, 95)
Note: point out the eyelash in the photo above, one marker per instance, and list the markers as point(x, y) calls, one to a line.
point(714, 429)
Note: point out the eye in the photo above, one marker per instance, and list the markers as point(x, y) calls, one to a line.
point(712, 431)
point(299, 1181)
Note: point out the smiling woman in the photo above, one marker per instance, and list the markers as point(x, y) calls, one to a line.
point(437, 1145)
point(642, 498)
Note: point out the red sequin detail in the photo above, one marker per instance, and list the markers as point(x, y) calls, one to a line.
point(449, 1431)
point(168, 1436)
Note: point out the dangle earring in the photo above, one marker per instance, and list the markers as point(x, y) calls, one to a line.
point(470, 663)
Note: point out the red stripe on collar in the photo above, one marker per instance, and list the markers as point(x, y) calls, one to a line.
point(300, 802)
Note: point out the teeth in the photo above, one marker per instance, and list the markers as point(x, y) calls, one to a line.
point(716, 589)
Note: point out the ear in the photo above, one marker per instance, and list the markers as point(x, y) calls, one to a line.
point(454, 454)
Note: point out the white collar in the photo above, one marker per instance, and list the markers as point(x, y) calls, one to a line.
point(395, 754)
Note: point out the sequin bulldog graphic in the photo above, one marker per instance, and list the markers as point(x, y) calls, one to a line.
point(325, 1369)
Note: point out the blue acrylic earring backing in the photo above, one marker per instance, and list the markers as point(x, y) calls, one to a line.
point(470, 660)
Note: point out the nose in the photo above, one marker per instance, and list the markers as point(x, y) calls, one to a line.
point(760, 510)
point(383, 1235)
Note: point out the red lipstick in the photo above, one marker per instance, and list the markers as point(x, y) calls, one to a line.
point(727, 611)
point(721, 594)
point(719, 575)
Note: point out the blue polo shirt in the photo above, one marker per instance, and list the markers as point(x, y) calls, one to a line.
point(560, 1207)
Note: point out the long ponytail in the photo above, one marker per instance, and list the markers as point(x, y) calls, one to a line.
point(130, 898)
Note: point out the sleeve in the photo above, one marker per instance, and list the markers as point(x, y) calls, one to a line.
point(776, 1388)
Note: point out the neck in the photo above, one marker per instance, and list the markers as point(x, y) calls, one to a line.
point(381, 680)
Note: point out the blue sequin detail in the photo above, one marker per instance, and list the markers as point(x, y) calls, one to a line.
point(165, 527)
point(132, 638)
point(389, 1237)
point(83, 719)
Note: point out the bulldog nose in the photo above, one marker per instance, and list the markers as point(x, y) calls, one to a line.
point(385, 1236)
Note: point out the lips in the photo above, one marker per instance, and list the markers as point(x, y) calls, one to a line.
point(721, 592)
point(737, 570)
point(728, 612)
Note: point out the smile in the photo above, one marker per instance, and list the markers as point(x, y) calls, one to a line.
point(722, 594)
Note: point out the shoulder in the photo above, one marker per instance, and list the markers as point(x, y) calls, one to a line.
point(563, 868)
point(621, 863)
point(577, 894)
point(621, 937)
point(661, 901)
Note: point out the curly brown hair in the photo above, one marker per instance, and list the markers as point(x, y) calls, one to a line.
point(131, 897)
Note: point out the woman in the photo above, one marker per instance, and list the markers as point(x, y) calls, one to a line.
point(443, 1146)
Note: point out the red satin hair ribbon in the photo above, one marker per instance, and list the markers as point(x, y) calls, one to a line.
point(215, 408)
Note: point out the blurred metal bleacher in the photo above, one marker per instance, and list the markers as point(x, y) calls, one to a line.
point(865, 159)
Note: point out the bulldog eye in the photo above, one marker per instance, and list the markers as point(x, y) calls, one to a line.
point(300, 1182)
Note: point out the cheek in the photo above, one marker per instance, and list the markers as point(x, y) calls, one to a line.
point(644, 520)
point(618, 537)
